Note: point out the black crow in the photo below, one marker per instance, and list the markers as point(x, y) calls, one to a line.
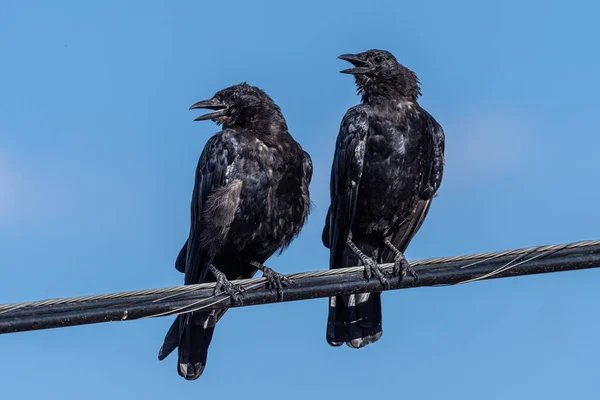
point(250, 199)
point(388, 165)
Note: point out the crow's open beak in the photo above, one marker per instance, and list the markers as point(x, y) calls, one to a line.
point(361, 66)
point(212, 104)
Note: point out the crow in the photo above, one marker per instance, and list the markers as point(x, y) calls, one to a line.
point(387, 167)
point(250, 199)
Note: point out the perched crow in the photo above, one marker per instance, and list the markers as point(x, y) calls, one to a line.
point(250, 199)
point(387, 167)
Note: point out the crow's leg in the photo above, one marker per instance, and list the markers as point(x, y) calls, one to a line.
point(371, 266)
point(401, 266)
point(224, 286)
point(274, 279)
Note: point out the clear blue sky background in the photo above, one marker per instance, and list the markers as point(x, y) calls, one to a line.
point(97, 157)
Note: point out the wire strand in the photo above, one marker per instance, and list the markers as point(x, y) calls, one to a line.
point(179, 290)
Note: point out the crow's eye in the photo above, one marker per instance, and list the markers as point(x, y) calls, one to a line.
point(378, 60)
point(234, 97)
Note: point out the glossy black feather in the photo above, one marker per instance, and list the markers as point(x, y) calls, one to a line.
point(250, 199)
point(388, 165)
point(346, 174)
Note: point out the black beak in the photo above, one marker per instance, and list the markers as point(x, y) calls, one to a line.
point(362, 67)
point(212, 104)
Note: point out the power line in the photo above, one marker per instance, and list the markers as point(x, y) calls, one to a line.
point(127, 306)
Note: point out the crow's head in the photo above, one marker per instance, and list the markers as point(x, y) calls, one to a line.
point(239, 105)
point(378, 73)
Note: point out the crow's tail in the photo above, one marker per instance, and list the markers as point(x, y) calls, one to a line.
point(191, 334)
point(354, 320)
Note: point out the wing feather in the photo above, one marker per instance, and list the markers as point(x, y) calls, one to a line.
point(210, 175)
point(346, 174)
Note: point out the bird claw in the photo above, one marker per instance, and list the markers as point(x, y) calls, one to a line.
point(373, 269)
point(403, 268)
point(276, 281)
point(225, 286)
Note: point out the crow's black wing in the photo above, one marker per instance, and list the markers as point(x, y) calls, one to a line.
point(211, 173)
point(433, 163)
point(346, 173)
point(307, 167)
point(196, 254)
point(407, 231)
point(180, 261)
point(434, 143)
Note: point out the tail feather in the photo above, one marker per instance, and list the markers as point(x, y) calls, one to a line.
point(193, 345)
point(355, 320)
point(337, 327)
point(365, 320)
point(191, 334)
point(171, 340)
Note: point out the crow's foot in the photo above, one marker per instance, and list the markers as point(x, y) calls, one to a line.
point(225, 286)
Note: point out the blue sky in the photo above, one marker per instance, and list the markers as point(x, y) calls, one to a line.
point(97, 157)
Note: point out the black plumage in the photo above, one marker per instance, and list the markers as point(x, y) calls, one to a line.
point(250, 199)
point(387, 167)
